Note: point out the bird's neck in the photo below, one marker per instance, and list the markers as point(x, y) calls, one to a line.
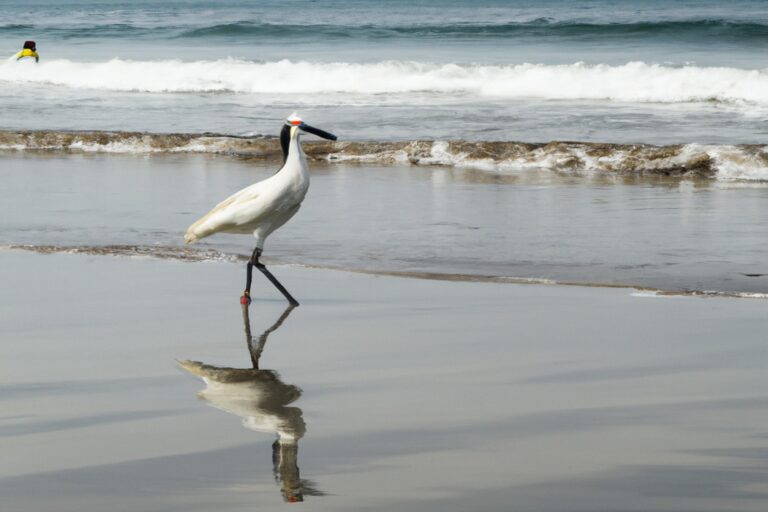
point(296, 162)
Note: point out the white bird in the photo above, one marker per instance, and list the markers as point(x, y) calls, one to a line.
point(264, 206)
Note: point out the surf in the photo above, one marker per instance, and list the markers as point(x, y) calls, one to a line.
point(631, 82)
point(725, 162)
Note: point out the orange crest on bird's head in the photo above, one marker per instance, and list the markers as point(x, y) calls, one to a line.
point(293, 120)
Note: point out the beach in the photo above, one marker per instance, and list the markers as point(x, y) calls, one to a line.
point(528, 241)
point(426, 368)
point(415, 393)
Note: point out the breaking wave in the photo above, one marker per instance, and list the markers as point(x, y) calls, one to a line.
point(631, 82)
point(724, 162)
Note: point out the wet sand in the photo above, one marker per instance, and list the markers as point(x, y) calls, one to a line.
point(415, 394)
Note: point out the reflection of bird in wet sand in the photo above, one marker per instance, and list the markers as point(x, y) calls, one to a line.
point(261, 399)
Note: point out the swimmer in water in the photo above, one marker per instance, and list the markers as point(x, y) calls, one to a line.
point(30, 50)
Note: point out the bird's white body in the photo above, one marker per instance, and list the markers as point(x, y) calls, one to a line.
point(262, 207)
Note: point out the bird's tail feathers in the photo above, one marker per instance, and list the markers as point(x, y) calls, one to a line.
point(190, 237)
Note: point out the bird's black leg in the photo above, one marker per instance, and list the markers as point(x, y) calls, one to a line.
point(277, 284)
point(254, 262)
point(246, 298)
point(259, 265)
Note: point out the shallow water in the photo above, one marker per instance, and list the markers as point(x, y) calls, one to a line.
point(416, 395)
point(669, 234)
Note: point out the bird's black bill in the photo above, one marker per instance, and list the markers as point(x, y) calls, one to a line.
point(317, 131)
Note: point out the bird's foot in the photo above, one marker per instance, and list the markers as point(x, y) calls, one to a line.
point(245, 299)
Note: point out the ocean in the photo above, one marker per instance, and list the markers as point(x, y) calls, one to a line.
point(502, 90)
point(640, 71)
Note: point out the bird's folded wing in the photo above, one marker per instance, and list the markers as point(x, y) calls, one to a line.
point(241, 208)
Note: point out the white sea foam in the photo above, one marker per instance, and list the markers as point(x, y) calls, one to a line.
point(734, 164)
point(633, 82)
point(647, 294)
point(729, 162)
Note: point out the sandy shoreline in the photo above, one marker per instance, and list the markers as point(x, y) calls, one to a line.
point(416, 394)
point(192, 255)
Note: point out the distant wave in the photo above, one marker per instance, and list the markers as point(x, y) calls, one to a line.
point(631, 82)
point(723, 162)
point(538, 28)
point(15, 26)
point(82, 31)
point(694, 29)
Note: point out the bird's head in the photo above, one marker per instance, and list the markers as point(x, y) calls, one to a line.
point(294, 127)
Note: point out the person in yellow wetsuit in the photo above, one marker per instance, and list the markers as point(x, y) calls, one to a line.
point(30, 50)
